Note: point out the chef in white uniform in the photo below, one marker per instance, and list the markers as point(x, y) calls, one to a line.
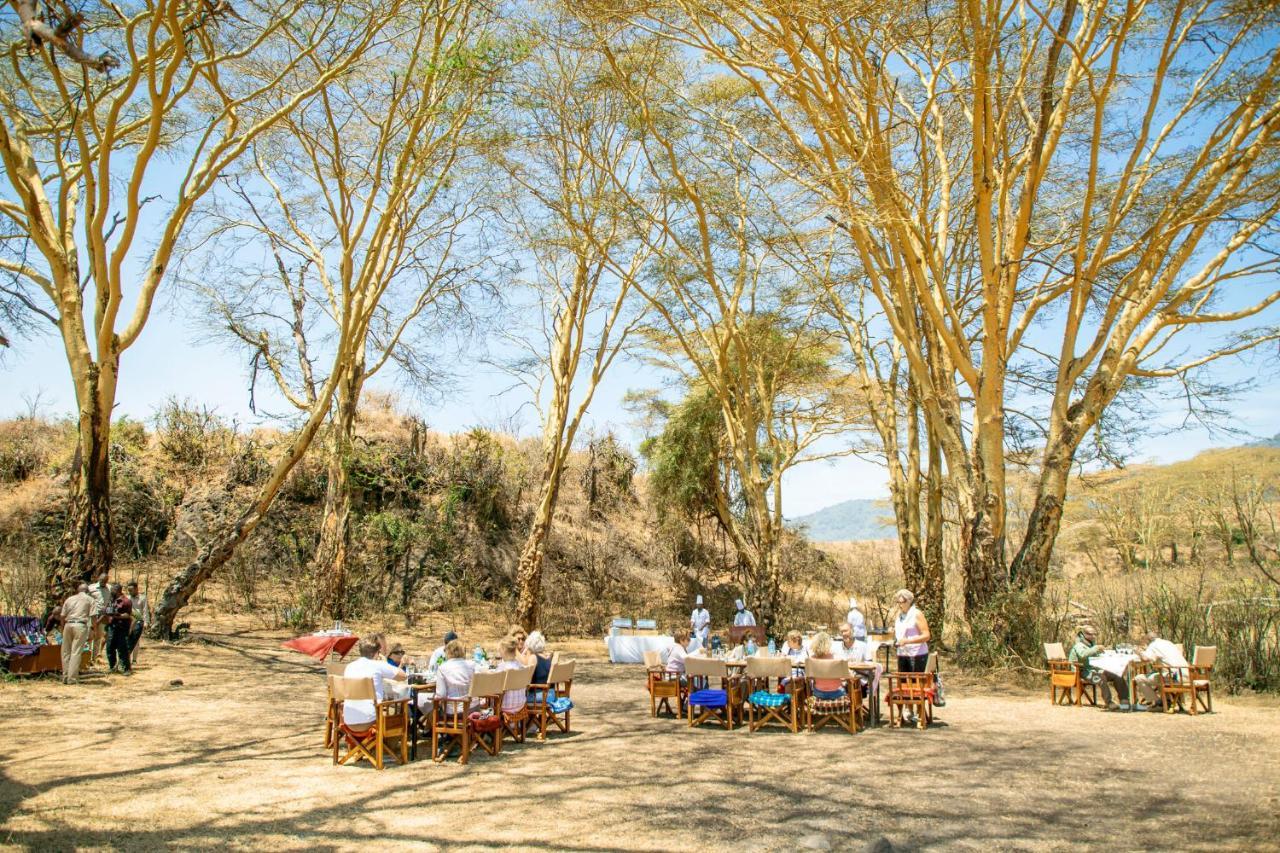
point(700, 623)
point(743, 616)
point(855, 618)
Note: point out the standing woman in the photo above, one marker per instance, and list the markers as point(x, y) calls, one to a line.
point(911, 631)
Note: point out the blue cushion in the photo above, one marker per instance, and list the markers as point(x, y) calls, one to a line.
point(709, 698)
point(765, 699)
point(560, 704)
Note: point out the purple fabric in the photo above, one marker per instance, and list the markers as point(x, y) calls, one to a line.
point(10, 628)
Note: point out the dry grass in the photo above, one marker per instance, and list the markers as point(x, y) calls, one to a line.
point(232, 758)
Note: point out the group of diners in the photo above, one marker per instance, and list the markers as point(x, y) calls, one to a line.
point(1149, 657)
point(851, 643)
point(448, 673)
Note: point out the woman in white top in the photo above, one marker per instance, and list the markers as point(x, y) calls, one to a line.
point(453, 679)
point(677, 652)
point(911, 630)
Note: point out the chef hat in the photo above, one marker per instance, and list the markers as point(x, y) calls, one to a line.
point(853, 603)
point(699, 601)
point(737, 602)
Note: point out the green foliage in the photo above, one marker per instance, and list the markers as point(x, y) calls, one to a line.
point(685, 458)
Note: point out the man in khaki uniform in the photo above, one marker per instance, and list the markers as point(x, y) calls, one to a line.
point(77, 614)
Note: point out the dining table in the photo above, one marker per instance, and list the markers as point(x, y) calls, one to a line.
point(1122, 663)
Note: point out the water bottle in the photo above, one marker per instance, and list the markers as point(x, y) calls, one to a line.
point(773, 647)
point(478, 655)
point(751, 646)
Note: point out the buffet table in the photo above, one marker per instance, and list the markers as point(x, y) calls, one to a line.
point(630, 649)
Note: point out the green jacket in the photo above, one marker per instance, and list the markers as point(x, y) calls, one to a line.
point(1080, 653)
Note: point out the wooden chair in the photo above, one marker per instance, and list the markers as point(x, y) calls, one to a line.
point(711, 702)
point(516, 722)
point(652, 668)
point(548, 710)
point(780, 707)
point(1066, 687)
point(333, 708)
point(910, 690)
point(451, 723)
point(843, 712)
point(1201, 677)
point(663, 687)
point(486, 722)
point(391, 722)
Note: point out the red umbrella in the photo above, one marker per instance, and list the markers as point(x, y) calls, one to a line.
point(320, 646)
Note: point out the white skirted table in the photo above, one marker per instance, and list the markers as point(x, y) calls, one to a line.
point(625, 648)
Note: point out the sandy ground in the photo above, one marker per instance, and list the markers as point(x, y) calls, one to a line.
point(233, 758)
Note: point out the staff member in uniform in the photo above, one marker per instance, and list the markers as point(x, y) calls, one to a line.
point(855, 617)
point(743, 616)
point(700, 623)
point(77, 614)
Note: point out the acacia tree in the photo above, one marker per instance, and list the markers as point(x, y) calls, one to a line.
point(103, 172)
point(373, 186)
point(571, 140)
point(1076, 183)
point(731, 311)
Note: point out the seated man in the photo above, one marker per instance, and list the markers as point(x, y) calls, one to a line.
point(359, 714)
point(1085, 647)
point(1156, 650)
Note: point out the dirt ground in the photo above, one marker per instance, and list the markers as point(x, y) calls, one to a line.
point(233, 758)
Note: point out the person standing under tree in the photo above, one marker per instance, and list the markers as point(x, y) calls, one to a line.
point(141, 619)
point(77, 614)
point(119, 621)
point(100, 591)
point(700, 623)
point(743, 616)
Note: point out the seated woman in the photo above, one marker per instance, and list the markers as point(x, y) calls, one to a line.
point(536, 645)
point(795, 646)
point(395, 656)
point(676, 653)
point(512, 700)
point(453, 679)
point(825, 688)
point(523, 655)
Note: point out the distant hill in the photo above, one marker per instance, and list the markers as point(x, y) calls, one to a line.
point(848, 521)
point(1274, 441)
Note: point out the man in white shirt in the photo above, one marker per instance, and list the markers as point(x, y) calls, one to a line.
point(361, 712)
point(700, 624)
point(1161, 652)
point(437, 657)
point(743, 616)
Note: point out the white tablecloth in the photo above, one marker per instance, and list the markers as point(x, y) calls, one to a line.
point(1115, 663)
point(631, 649)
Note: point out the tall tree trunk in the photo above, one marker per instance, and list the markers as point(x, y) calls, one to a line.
point(981, 549)
point(329, 566)
point(220, 548)
point(529, 569)
point(87, 545)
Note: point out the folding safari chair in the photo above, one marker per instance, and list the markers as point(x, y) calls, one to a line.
point(706, 700)
point(486, 723)
point(845, 711)
point(549, 704)
point(515, 722)
point(910, 690)
point(391, 722)
point(779, 707)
